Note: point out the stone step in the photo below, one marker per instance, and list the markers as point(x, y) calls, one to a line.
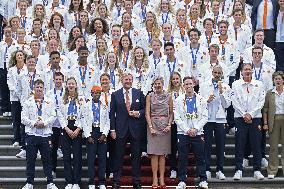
point(6, 139)
point(6, 129)
point(5, 120)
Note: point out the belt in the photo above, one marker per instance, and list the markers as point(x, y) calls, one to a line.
point(96, 125)
point(158, 116)
point(71, 117)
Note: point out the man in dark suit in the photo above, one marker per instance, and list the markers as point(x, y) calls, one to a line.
point(127, 114)
point(264, 16)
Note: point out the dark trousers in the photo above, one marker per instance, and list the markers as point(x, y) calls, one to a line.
point(269, 38)
point(55, 138)
point(43, 144)
point(74, 146)
point(135, 157)
point(219, 135)
point(263, 146)
point(248, 131)
point(1, 26)
point(279, 55)
point(230, 109)
point(99, 149)
point(111, 150)
point(19, 134)
point(5, 94)
point(173, 155)
point(197, 144)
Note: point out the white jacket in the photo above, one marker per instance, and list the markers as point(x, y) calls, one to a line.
point(104, 119)
point(184, 124)
point(13, 82)
point(63, 113)
point(248, 98)
point(29, 115)
point(206, 89)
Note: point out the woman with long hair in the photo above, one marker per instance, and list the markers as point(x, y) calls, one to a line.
point(97, 58)
point(112, 68)
point(74, 33)
point(84, 23)
point(165, 12)
point(71, 119)
point(139, 67)
point(195, 18)
point(73, 51)
point(182, 26)
point(159, 116)
point(39, 12)
point(72, 17)
point(124, 51)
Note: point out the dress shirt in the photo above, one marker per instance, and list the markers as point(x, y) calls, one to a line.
point(269, 18)
point(279, 102)
point(280, 27)
point(129, 94)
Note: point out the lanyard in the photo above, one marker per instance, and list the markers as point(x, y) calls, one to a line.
point(143, 11)
point(167, 16)
point(215, 84)
point(149, 37)
point(208, 39)
point(96, 112)
point(169, 66)
point(257, 75)
point(194, 56)
point(83, 73)
point(31, 80)
point(172, 40)
point(55, 94)
point(45, 2)
point(156, 62)
point(112, 78)
point(39, 107)
point(125, 59)
point(72, 108)
point(23, 21)
point(191, 105)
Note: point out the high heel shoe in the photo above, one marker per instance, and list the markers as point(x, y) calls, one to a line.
point(155, 186)
point(163, 186)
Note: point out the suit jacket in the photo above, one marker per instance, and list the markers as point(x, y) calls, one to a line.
point(254, 13)
point(120, 121)
point(270, 108)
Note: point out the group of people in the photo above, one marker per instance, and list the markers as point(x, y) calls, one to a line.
point(163, 75)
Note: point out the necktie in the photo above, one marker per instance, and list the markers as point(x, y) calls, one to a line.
point(264, 14)
point(106, 100)
point(127, 100)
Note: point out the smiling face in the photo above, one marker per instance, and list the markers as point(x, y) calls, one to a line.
point(58, 81)
point(127, 81)
point(193, 37)
point(247, 71)
point(31, 64)
point(125, 42)
point(257, 55)
point(217, 73)
point(165, 5)
point(139, 54)
point(38, 89)
point(71, 85)
point(188, 85)
point(101, 44)
point(158, 85)
point(76, 32)
point(111, 59)
point(176, 80)
point(278, 80)
point(20, 57)
point(223, 28)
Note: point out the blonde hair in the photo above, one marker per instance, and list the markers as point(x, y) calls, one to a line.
point(159, 8)
point(155, 29)
point(145, 60)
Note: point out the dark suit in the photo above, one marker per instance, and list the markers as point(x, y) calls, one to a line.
point(127, 128)
point(270, 35)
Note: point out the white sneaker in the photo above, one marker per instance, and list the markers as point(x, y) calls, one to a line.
point(38, 155)
point(92, 187)
point(102, 187)
point(203, 184)
point(208, 174)
point(181, 185)
point(264, 163)
point(270, 176)
point(257, 175)
point(16, 144)
point(144, 154)
point(51, 186)
point(76, 186)
point(245, 162)
point(28, 186)
point(21, 154)
point(59, 153)
point(238, 175)
point(173, 174)
point(53, 175)
point(110, 175)
point(6, 114)
point(69, 186)
point(220, 175)
point(232, 131)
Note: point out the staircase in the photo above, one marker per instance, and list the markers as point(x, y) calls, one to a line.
point(12, 169)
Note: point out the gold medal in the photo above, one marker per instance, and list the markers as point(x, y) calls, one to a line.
point(223, 58)
point(194, 66)
point(83, 85)
point(39, 118)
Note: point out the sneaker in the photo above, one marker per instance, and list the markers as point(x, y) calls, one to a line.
point(245, 162)
point(53, 175)
point(59, 153)
point(208, 174)
point(92, 187)
point(21, 154)
point(144, 154)
point(102, 187)
point(173, 174)
point(257, 175)
point(69, 186)
point(76, 186)
point(238, 175)
point(6, 114)
point(110, 175)
point(51, 186)
point(181, 185)
point(38, 155)
point(203, 184)
point(270, 176)
point(28, 186)
point(16, 144)
point(232, 131)
point(220, 175)
point(264, 163)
